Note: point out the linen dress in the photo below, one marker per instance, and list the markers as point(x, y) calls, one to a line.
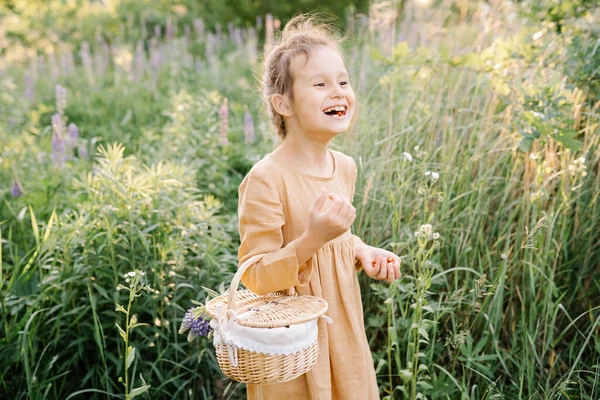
point(273, 207)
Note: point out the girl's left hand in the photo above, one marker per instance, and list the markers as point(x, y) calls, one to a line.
point(379, 264)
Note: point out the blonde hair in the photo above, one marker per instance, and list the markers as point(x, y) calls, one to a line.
point(300, 35)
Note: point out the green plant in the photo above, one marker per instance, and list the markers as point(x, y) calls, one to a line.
point(135, 286)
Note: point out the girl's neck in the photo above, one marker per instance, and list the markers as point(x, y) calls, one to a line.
point(312, 157)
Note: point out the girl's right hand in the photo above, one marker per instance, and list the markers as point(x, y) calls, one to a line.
point(327, 225)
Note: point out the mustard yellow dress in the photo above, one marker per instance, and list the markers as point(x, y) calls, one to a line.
point(273, 208)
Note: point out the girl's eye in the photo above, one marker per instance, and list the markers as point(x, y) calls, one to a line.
point(320, 84)
point(344, 83)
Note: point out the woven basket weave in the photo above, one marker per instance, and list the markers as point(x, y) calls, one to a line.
point(273, 310)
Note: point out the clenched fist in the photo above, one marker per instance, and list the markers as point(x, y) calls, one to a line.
point(326, 225)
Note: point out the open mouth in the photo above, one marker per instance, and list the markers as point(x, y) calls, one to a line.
point(336, 111)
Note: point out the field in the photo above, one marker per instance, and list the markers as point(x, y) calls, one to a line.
point(126, 129)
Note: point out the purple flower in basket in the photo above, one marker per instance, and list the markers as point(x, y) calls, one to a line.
point(195, 322)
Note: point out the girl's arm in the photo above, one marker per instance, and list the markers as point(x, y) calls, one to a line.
point(359, 246)
point(261, 219)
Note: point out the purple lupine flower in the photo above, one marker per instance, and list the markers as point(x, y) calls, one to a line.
point(58, 141)
point(61, 99)
point(72, 138)
point(186, 35)
point(230, 30)
point(17, 189)
point(169, 30)
point(248, 127)
point(252, 45)
point(143, 28)
point(197, 325)
point(54, 70)
point(87, 62)
point(34, 67)
point(29, 87)
point(199, 28)
point(219, 31)
point(210, 44)
point(269, 28)
point(224, 122)
point(140, 61)
point(82, 151)
point(155, 54)
point(64, 63)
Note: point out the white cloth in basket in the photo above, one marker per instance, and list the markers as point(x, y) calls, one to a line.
point(273, 341)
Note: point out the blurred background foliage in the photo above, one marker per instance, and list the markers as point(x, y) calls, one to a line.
point(126, 128)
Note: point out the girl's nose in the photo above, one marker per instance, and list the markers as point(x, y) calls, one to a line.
point(338, 93)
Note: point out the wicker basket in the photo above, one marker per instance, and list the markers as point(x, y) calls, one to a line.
point(273, 310)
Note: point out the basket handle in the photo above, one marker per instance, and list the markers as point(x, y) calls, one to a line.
point(238, 277)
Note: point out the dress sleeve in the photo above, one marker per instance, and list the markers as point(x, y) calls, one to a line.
point(261, 218)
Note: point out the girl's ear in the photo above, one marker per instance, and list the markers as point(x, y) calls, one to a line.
point(282, 106)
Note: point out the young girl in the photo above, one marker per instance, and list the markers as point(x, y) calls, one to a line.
point(295, 210)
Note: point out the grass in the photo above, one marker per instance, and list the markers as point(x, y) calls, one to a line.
point(505, 307)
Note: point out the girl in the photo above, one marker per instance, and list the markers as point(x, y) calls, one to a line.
point(295, 209)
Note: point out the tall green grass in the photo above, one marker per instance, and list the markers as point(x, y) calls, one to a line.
point(505, 307)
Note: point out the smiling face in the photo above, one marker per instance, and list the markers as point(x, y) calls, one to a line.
point(323, 100)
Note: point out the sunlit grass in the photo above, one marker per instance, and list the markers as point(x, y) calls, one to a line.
point(506, 307)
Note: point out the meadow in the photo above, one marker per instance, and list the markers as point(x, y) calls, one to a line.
point(123, 143)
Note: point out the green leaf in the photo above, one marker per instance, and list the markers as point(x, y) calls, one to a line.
point(401, 51)
point(569, 141)
point(139, 390)
point(405, 374)
point(36, 232)
point(130, 356)
point(500, 86)
point(49, 227)
point(380, 365)
point(424, 385)
point(121, 332)
point(138, 324)
point(210, 292)
point(376, 55)
point(222, 288)
point(525, 144)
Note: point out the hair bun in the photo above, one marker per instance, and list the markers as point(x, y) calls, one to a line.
point(314, 22)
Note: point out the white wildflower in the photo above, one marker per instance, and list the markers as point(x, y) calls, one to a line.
point(406, 156)
point(417, 234)
point(435, 176)
point(504, 256)
point(436, 235)
point(427, 173)
point(539, 114)
point(427, 229)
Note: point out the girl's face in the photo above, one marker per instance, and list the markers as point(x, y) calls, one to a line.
point(324, 101)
